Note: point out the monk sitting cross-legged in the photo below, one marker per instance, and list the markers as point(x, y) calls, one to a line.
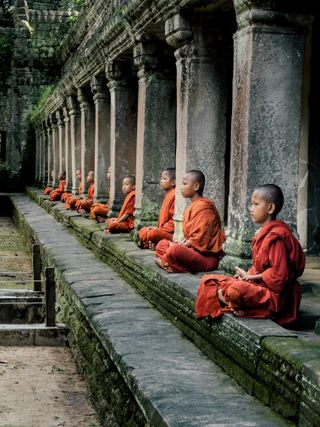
point(269, 289)
point(57, 192)
point(201, 248)
point(48, 190)
point(150, 236)
point(84, 205)
point(99, 211)
point(68, 194)
point(125, 221)
point(70, 199)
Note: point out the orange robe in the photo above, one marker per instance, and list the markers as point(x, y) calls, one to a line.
point(47, 191)
point(57, 193)
point(71, 200)
point(99, 209)
point(86, 204)
point(202, 228)
point(126, 209)
point(276, 254)
point(165, 227)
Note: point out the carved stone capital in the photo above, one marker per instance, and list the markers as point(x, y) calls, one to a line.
point(146, 55)
point(253, 12)
point(177, 30)
point(53, 121)
point(118, 73)
point(65, 111)
point(98, 87)
point(59, 116)
point(72, 104)
point(84, 97)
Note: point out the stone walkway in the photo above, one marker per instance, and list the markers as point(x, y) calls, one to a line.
point(174, 383)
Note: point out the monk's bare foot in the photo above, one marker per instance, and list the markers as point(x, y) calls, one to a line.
point(81, 211)
point(238, 313)
point(107, 231)
point(162, 264)
point(221, 297)
point(152, 246)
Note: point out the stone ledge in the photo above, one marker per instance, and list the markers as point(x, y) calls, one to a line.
point(238, 345)
point(117, 335)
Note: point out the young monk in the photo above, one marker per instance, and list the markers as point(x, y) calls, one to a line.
point(57, 193)
point(201, 248)
point(84, 205)
point(269, 289)
point(125, 221)
point(99, 211)
point(48, 190)
point(150, 236)
point(72, 200)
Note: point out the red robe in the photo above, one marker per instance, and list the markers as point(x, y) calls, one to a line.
point(126, 209)
point(72, 200)
point(202, 228)
point(57, 193)
point(165, 227)
point(86, 204)
point(276, 254)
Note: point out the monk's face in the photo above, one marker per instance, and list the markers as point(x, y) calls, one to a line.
point(78, 174)
point(90, 177)
point(189, 187)
point(261, 210)
point(166, 183)
point(127, 186)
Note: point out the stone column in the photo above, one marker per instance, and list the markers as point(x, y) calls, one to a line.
point(49, 154)
point(75, 139)
point(40, 144)
point(123, 127)
point(266, 117)
point(44, 157)
point(101, 101)
point(55, 150)
point(37, 156)
point(204, 66)
point(156, 128)
point(67, 148)
point(87, 120)
point(61, 136)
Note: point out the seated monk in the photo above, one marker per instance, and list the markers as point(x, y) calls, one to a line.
point(84, 205)
point(70, 200)
point(150, 236)
point(57, 193)
point(48, 190)
point(201, 248)
point(125, 221)
point(269, 290)
point(99, 211)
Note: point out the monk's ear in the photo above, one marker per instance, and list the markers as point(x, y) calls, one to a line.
point(196, 187)
point(271, 208)
point(173, 182)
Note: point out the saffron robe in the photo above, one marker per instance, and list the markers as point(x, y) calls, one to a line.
point(72, 200)
point(99, 209)
point(165, 227)
point(86, 204)
point(202, 228)
point(276, 254)
point(57, 193)
point(126, 209)
point(47, 191)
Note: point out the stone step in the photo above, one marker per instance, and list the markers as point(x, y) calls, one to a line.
point(34, 334)
point(19, 306)
point(172, 381)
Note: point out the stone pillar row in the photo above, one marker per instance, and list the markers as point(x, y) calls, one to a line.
point(176, 109)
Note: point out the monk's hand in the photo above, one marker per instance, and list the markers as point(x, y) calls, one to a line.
point(237, 312)
point(241, 274)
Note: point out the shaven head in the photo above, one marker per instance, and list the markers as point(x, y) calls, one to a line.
point(271, 193)
point(197, 177)
point(131, 178)
point(171, 172)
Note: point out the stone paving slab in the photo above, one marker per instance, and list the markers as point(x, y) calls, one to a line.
point(174, 383)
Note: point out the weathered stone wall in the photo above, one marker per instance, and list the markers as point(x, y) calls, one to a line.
point(30, 66)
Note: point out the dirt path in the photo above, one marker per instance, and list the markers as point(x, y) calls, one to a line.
point(39, 387)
